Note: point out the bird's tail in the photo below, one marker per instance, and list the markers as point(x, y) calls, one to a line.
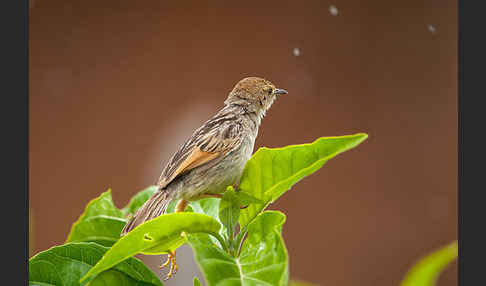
point(152, 208)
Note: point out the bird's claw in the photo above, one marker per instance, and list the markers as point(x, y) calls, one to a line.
point(171, 259)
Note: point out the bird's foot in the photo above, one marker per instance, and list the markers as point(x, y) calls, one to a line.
point(171, 260)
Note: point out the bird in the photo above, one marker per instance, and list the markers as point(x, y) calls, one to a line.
point(213, 157)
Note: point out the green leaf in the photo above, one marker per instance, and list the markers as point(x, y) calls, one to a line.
point(263, 260)
point(209, 206)
point(246, 199)
point(271, 172)
point(229, 211)
point(112, 277)
point(263, 251)
point(426, 271)
point(101, 222)
point(196, 282)
point(156, 236)
point(138, 200)
point(171, 207)
point(64, 265)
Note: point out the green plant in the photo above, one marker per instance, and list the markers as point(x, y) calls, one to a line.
point(94, 253)
point(426, 271)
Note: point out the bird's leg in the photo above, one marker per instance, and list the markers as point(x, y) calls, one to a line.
point(181, 206)
point(171, 259)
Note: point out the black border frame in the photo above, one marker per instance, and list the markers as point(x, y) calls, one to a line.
point(14, 117)
point(471, 155)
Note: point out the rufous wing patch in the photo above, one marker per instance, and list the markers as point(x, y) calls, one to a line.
point(195, 159)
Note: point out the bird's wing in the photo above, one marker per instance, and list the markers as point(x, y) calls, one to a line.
point(213, 140)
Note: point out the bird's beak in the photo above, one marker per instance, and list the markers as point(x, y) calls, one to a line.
point(279, 91)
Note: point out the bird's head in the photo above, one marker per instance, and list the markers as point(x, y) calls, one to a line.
point(254, 94)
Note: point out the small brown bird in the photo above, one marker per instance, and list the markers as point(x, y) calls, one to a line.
point(214, 156)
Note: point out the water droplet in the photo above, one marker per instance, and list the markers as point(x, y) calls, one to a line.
point(431, 28)
point(296, 52)
point(333, 10)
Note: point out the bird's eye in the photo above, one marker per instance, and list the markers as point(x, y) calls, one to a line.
point(270, 91)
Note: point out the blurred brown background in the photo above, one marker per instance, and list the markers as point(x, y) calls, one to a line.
point(117, 86)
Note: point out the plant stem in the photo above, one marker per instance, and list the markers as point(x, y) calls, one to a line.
point(221, 240)
point(238, 240)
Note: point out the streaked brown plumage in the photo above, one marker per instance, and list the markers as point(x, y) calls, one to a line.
point(214, 156)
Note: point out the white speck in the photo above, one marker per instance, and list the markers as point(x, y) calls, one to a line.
point(333, 10)
point(296, 52)
point(431, 28)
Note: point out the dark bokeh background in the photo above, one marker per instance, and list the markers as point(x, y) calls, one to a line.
point(117, 86)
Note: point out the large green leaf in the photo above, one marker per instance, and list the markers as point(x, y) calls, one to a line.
point(139, 199)
point(263, 259)
point(111, 277)
point(156, 236)
point(229, 212)
point(426, 271)
point(263, 255)
point(101, 222)
point(209, 206)
point(271, 172)
point(246, 199)
point(64, 265)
